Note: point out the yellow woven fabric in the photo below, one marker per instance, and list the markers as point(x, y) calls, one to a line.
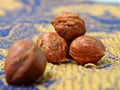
point(30, 19)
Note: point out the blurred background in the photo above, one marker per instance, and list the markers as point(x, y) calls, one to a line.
point(29, 18)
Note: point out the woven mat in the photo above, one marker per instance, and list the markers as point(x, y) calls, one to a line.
point(29, 18)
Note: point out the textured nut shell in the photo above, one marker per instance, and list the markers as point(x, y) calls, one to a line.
point(86, 49)
point(69, 25)
point(24, 63)
point(53, 46)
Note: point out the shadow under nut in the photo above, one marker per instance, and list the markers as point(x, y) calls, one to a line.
point(86, 49)
point(24, 63)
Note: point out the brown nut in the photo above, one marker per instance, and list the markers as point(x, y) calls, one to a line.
point(24, 63)
point(53, 46)
point(86, 49)
point(69, 25)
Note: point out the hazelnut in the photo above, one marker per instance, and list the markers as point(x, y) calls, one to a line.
point(69, 25)
point(86, 49)
point(24, 63)
point(53, 46)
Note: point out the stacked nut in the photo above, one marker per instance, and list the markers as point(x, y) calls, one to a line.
point(69, 39)
point(26, 60)
point(69, 25)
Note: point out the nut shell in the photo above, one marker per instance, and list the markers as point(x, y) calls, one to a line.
point(24, 63)
point(53, 46)
point(69, 25)
point(86, 49)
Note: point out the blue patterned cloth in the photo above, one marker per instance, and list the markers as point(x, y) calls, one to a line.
point(28, 18)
